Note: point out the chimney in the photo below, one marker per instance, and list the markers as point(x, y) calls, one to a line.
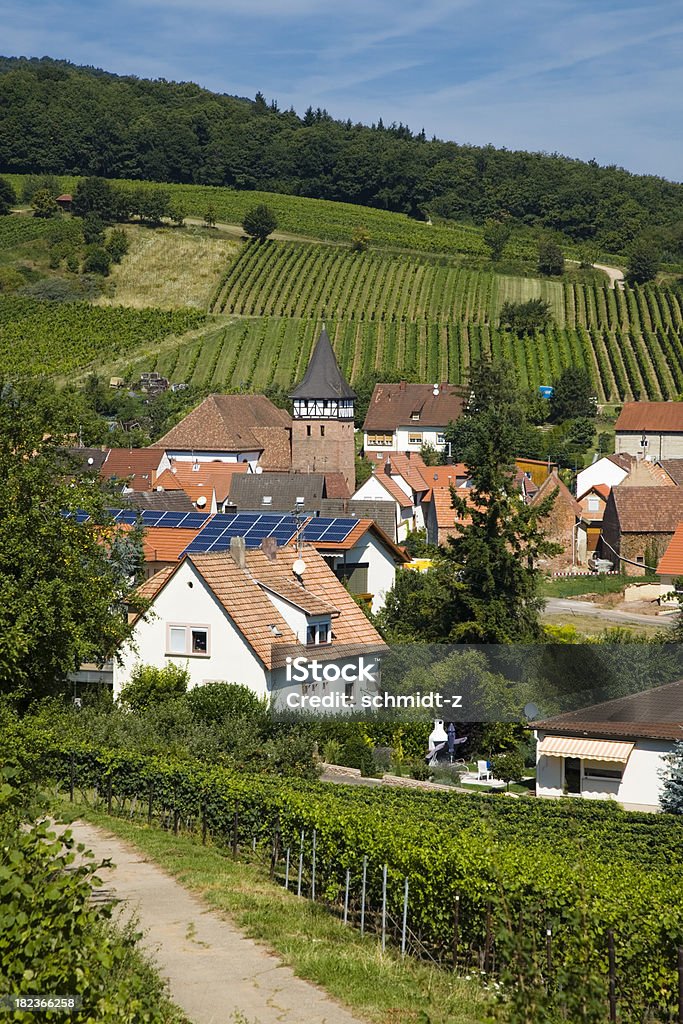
point(402, 386)
point(387, 467)
point(269, 548)
point(238, 552)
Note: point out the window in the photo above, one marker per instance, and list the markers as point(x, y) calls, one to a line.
point(414, 438)
point(415, 416)
point(440, 438)
point(640, 559)
point(308, 430)
point(187, 641)
point(354, 576)
point(322, 430)
point(381, 439)
point(348, 691)
point(593, 504)
point(317, 633)
point(602, 773)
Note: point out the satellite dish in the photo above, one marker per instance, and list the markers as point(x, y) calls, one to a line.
point(201, 501)
point(259, 469)
point(435, 392)
point(530, 711)
point(299, 567)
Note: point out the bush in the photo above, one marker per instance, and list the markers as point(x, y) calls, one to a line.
point(357, 753)
point(332, 751)
point(117, 244)
point(215, 703)
point(509, 767)
point(524, 317)
point(93, 229)
point(419, 769)
point(150, 685)
point(97, 261)
point(10, 280)
point(550, 258)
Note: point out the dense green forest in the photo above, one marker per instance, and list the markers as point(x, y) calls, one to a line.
point(59, 118)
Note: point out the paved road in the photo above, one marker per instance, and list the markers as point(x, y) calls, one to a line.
point(213, 970)
point(567, 606)
point(616, 276)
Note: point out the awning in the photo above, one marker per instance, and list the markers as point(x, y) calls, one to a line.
point(592, 750)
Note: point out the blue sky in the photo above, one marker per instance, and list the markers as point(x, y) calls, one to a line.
point(588, 78)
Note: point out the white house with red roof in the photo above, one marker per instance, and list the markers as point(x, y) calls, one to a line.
point(238, 615)
point(398, 477)
point(403, 417)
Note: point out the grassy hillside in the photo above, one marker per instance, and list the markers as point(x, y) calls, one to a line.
point(168, 268)
point(328, 221)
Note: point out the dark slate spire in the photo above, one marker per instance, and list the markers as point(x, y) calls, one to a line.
point(323, 377)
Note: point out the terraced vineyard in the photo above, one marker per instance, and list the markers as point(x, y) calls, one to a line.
point(15, 229)
point(60, 338)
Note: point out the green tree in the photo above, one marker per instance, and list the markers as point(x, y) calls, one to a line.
point(97, 196)
point(573, 396)
point(550, 258)
point(43, 204)
point(178, 212)
point(644, 259)
point(500, 539)
point(7, 197)
point(61, 586)
point(496, 236)
point(508, 767)
point(259, 222)
point(361, 240)
point(210, 216)
point(117, 244)
point(671, 798)
point(525, 317)
point(97, 260)
point(93, 229)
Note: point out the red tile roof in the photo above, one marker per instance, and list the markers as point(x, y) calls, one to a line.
point(396, 492)
point(241, 592)
point(166, 544)
point(564, 494)
point(671, 562)
point(664, 417)
point(209, 475)
point(239, 423)
point(648, 509)
point(137, 466)
point(393, 405)
point(409, 465)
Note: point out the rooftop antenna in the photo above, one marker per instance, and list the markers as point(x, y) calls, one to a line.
point(299, 566)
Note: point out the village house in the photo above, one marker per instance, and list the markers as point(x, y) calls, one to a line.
point(615, 750)
point(210, 480)
point(609, 470)
point(134, 469)
point(564, 525)
point(237, 615)
point(639, 522)
point(404, 417)
point(670, 569)
point(593, 502)
point(399, 478)
point(651, 430)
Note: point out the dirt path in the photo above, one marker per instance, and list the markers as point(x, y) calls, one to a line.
point(616, 276)
point(213, 970)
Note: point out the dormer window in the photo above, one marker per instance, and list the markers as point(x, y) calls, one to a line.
point(415, 416)
point(318, 633)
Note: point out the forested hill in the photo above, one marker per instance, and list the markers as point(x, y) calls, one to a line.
point(56, 117)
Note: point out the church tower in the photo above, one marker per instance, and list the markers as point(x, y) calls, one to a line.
point(322, 424)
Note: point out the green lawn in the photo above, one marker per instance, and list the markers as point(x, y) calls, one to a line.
point(571, 586)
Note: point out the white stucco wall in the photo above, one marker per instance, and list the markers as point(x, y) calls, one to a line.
point(659, 445)
point(400, 439)
point(381, 567)
point(603, 471)
point(230, 658)
point(206, 456)
point(640, 786)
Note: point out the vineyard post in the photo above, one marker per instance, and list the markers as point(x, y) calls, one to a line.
point(612, 978)
point(72, 779)
point(287, 868)
point(150, 802)
point(404, 923)
point(313, 867)
point(276, 851)
point(253, 844)
point(301, 864)
point(680, 985)
point(384, 908)
point(176, 817)
point(346, 895)
point(235, 827)
point(487, 941)
point(549, 955)
point(362, 896)
point(456, 929)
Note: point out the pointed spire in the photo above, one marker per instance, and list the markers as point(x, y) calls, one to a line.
point(323, 378)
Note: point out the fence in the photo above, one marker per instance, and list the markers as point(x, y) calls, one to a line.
point(373, 900)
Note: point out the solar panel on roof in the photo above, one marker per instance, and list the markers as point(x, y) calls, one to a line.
point(333, 530)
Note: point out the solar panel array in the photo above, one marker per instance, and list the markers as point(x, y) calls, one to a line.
point(255, 526)
point(153, 518)
point(216, 531)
